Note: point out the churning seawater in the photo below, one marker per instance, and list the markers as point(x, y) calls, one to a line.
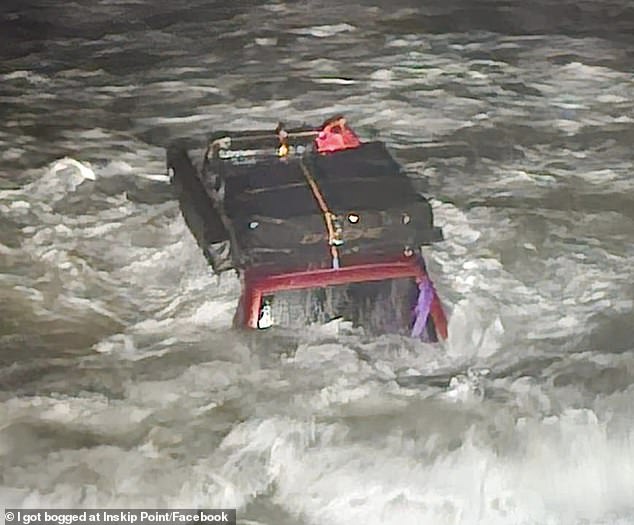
point(122, 383)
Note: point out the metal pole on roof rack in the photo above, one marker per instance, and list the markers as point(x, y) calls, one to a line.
point(328, 215)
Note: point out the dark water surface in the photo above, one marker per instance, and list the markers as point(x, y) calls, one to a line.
point(121, 382)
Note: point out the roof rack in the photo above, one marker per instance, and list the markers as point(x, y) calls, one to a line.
point(281, 142)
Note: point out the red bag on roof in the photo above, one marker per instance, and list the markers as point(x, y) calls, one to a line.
point(335, 135)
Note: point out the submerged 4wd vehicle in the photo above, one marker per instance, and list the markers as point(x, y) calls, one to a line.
point(317, 224)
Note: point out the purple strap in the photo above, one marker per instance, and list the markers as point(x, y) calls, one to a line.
point(423, 306)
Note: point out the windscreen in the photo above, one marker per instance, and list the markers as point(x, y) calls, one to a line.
point(379, 306)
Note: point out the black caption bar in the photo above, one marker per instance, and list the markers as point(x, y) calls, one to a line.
point(120, 516)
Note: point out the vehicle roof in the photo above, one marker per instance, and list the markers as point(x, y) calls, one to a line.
point(362, 178)
point(275, 204)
